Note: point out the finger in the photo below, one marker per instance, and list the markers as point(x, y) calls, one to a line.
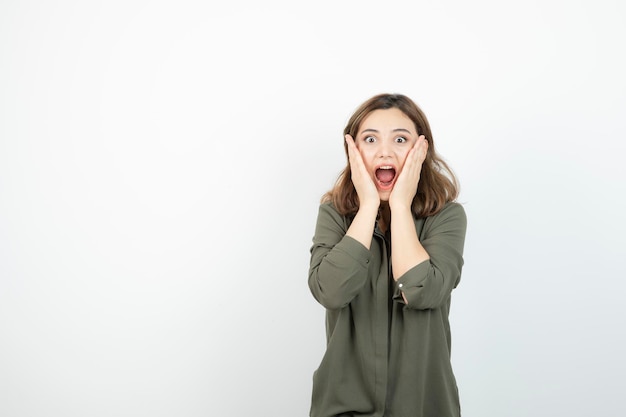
point(416, 150)
point(422, 143)
point(416, 156)
point(355, 155)
point(357, 166)
point(352, 151)
point(421, 148)
point(413, 158)
point(349, 142)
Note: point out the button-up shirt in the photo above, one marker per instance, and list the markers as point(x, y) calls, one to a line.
point(385, 357)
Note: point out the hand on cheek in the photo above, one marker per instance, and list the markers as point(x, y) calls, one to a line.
point(406, 185)
point(365, 187)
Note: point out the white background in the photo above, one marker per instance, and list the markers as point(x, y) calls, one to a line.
point(161, 164)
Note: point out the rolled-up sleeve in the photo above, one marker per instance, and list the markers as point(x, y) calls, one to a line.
point(429, 284)
point(339, 263)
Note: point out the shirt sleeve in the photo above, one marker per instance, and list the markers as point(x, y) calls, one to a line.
point(429, 284)
point(339, 263)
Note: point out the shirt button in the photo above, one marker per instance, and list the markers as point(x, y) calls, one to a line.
point(367, 261)
point(400, 285)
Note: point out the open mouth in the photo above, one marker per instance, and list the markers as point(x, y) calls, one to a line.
point(385, 176)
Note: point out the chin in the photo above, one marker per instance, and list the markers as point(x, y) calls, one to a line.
point(384, 196)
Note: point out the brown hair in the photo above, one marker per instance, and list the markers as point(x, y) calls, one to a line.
point(437, 185)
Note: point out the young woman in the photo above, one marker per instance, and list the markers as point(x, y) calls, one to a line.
point(387, 252)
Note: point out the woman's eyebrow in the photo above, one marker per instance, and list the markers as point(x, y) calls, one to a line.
point(400, 129)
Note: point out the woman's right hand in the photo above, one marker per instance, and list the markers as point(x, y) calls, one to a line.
point(363, 183)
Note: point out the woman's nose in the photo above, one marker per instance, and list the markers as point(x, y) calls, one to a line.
point(384, 149)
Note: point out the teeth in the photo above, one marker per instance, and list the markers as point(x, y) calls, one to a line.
point(386, 167)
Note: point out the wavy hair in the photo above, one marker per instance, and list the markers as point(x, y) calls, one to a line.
point(437, 185)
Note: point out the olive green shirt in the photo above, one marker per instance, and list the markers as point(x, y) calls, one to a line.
point(385, 357)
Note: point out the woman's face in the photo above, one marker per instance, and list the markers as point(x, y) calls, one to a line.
point(384, 140)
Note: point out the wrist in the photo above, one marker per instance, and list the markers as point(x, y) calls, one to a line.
point(399, 207)
point(369, 207)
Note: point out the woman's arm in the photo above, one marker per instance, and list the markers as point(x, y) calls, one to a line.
point(425, 271)
point(429, 283)
point(362, 227)
point(339, 263)
point(406, 249)
point(339, 257)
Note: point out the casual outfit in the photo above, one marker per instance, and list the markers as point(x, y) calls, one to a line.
point(385, 357)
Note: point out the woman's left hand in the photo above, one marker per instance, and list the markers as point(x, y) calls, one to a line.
point(405, 187)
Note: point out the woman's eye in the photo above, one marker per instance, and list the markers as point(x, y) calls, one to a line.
point(400, 139)
point(369, 139)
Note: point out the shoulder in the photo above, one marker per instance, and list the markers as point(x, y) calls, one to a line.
point(453, 209)
point(452, 215)
point(329, 209)
point(329, 213)
point(330, 226)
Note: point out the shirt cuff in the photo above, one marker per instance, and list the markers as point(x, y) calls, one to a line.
point(355, 250)
point(412, 278)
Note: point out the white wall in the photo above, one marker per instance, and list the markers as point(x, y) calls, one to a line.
point(160, 169)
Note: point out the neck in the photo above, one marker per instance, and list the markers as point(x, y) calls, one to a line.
point(385, 216)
